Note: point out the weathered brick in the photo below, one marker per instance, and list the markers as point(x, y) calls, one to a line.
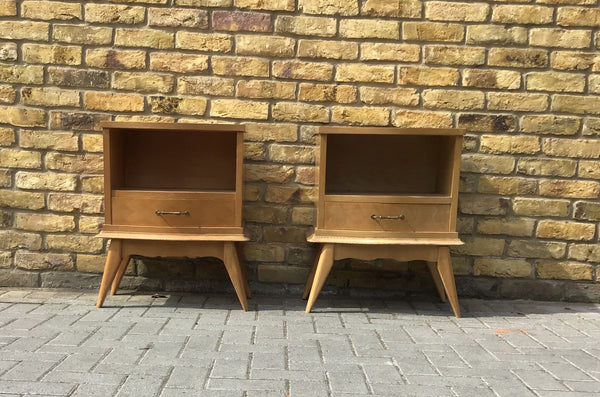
point(453, 99)
point(522, 14)
point(90, 263)
point(90, 224)
point(284, 234)
point(241, 21)
point(34, 139)
point(585, 252)
point(240, 66)
point(7, 137)
point(415, 75)
point(8, 52)
point(21, 74)
point(306, 175)
point(265, 214)
point(270, 46)
point(8, 8)
point(487, 164)
point(496, 34)
point(392, 8)
point(12, 239)
point(107, 58)
point(215, 42)
point(575, 60)
point(194, 3)
point(480, 246)
point(560, 38)
point(82, 34)
point(578, 148)
point(77, 120)
point(409, 119)
point(176, 62)
point(564, 270)
point(161, 104)
point(49, 97)
point(390, 52)
point(506, 185)
point(303, 216)
point(74, 243)
point(433, 31)
point(509, 144)
point(536, 249)
point(254, 151)
point(306, 25)
point(21, 200)
point(45, 181)
point(92, 143)
point(453, 55)
point(27, 30)
point(151, 38)
point(114, 102)
point(518, 57)
point(233, 108)
point(327, 93)
point(178, 17)
point(298, 112)
point(552, 125)
point(6, 259)
point(393, 96)
point(566, 230)
point(205, 85)
point(48, 10)
point(587, 210)
point(271, 5)
point(143, 82)
point(369, 28)
point(302, 70)
point(446, 11)
point(70, 77)
point(594, 84)
point(41, 53)
point(268, 173)
point(578, 16)
point(483, 205)
point(290, 194)
point(540, 207)
point(360, 115)
point(569, 189)
point(92, 184)
point(114, 13)
point(328, 7)
point(576, 104)
point(496, 267)
point(517, 101)
point(44, 222)
point(69, 202)
point(364, 73)
point(79, 163)
point(263, 132)
point(589, 169)
point(501, 79)
point(266, 89)
point(326, 49)
point(22, 117)
point(510, 227)
point(282, 274)
point(264, 253)
point(547, 167)
point(591, 126)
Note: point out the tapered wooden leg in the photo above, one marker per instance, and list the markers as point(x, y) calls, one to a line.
point(110, 269)
point(444, 266)
point(324, 266)
point(311, 276)
point(437, 280)
point(232, 264)
point(244, 270)
point(119, 275)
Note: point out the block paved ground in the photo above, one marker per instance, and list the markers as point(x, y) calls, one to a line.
point(56, 343)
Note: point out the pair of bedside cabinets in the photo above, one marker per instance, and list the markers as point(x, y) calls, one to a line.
point(175, 190)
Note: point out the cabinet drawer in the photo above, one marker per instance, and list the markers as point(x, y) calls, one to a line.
point(388, 217)
point(173, 210)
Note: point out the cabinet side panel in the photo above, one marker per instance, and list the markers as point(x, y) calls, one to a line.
point(239, 178)
point(321, 171)
point(456, 158)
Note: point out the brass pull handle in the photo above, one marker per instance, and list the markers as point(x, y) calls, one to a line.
point(377, 217)
point(159, 212)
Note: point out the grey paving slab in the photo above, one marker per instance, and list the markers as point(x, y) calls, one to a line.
point(56, 343)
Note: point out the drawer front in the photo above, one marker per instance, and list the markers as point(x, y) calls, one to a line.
point(173, 212)
point(387, 217)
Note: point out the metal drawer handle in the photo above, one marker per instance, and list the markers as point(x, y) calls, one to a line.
point(159, 212)
point(377, 217)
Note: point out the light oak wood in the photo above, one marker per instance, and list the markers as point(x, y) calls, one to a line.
point(324, 265)
point(110, 270)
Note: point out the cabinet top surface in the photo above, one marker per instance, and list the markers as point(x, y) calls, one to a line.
point(392, 131)
point(171, 126)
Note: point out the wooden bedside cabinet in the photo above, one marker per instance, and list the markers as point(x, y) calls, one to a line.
point(172, 190)
point(387, 193)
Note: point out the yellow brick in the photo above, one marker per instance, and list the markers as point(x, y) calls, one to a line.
point(46, 181)
point(390, 52)
point(22, 200)
point(114, 102)
point(28, 30)
point(295, 154)
point(7, 136)
point(564, 270)
point(194, 3)
point(506, 185)
point(69, 202)
point(569, 189)
point(74, 243)
point(517, 101)
point(522, 14)
point(282, 274)
point(547, 167)
point(113, 13)
point(501, 79)
point(536, 249)
point(328, 7)
point(566, 230)
point(393, 96)
point(415, 75)
point(591, 126)
point(22, 117)
point(554, 125)
point(65, 120)
point(33, 139)
point(161, 104)
point(369, 28)
point(143, 82)
point(49, 97)
point(433, 31)
point(90, 224)
point(575, 60)
point(540, 207)
point(109, 58)
point(303, 216)
point(40, 53)
point(299, 112)
point(576, 104)
point(10, 240)
point(211, 42)
point(509, 144)
point(589, 169)
point(327, 93)
point(151, 38)
point(178, 17)
point(81, 34)
point(306, 25)
point(393, 8)
point(92, 184)
point(408, 119)
point(240, 66)
point(264, 253)
point(8, 52)
point(80, 163)
point(480, 246)
point(265, 214)
point(72, 77)
point(43, 261)
point(21, 74)
point(560, 38)
point(263, 132)
point(266, 89)
point(48, 10)
point(92, 143)
point(176, 62)
point(594, 84)
point(487, 164)
point(44, 222)
point(447, 11)
point(587, 210)
point(302, 70)
point(269, 46)
point(518, 57)
point(231, 108)
point(578, 148)
point(449, 55)
point(496, 34)
point(360, 116)
point(510, 227)
point(7, 94)
point(271, 5)
point(364, 73)
point(585, 252)
point(578, 16)
point(8, 8)
point(90, 263)
point(327, 49)
point(495, 267)
point(448, 99)
point(205, 85)
point(268, 173)
point(290, 195)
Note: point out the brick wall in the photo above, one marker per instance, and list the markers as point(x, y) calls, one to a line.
point(522, 77)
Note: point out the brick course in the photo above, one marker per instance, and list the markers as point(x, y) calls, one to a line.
point(522, 78)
